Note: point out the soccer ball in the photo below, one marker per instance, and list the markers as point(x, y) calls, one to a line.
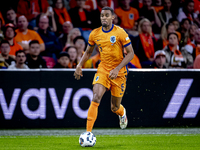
point(87, 139)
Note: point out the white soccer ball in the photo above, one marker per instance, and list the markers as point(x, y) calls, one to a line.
point(87, 139)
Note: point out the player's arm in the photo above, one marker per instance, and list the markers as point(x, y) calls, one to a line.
point(85, 57)
point(125, 61)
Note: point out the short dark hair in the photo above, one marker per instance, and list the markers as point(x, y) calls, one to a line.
point(54, 3)
point(169, 24)
point(185, 19)
point(33, 42)
point(172, 20)
point(171, 34)
point(10, 8)
point(20, 51)
point(77, 38)
point(108, 8)
point(63, 53)
point(4, 41)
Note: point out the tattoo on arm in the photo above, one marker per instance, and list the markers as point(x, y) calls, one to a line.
point(89, 50)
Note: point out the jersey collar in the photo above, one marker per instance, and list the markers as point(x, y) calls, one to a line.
point(108, 30)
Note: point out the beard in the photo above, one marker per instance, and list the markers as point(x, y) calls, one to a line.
point(34, 56)
point(104, 25)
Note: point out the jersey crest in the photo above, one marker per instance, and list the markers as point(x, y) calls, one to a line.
point(113, 39)
point(131, 16)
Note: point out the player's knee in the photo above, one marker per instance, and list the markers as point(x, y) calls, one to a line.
point(96, 98)
point(114, 108)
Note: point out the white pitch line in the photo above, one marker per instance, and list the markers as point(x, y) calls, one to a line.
point(129, 131)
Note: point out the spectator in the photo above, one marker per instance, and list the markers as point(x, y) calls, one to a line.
point(193, 48)
point(63, 60)
point(96, 20)
point(184, 27)
point(52, 21)
point(3, 64)
point(197, 62)
point(187, 12)
point(72, 51)
point(5, 49)
point(25, 35)
point(166, 29)
point(11, 17)
point(34, 60)
point(81, 18)
point(60, 13)
point(175, 22)
point(71, 36)
point(20, 61)
point(116, 20)
point(127, 14)
point(189, 35)
point(167, 13)
point(174, 57)
point(67, 27)
point(90, 5)
point(9, 33)
point(144, 43)
point(1, 32)
point(52, 45)
point(80, 45)
point(159, 59)
point(148, 11)
point(31, 9)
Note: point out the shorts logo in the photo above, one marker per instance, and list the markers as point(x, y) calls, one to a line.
point(112, 39)
point(131, 16)
point(97, 78)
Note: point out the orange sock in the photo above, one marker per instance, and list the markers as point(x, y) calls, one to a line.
point(92, 115)
point(120, 111)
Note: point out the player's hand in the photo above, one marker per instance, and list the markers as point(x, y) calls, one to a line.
point(113, 74)
point(78, 73)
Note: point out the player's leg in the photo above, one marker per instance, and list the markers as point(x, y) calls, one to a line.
point(117, 91)
point(118, 108)
point(98, 92)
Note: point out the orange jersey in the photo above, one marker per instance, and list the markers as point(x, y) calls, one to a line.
point(128, 18)
point(110, 44)
point(29, 36)
point(15, 47)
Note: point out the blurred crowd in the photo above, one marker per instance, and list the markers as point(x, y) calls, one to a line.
point(54, 33)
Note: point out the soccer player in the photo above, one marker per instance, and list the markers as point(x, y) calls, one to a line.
point(112, 70)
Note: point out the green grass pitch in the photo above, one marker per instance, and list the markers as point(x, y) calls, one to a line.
point(110, 142)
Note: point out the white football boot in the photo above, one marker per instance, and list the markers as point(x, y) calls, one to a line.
point(123, 120)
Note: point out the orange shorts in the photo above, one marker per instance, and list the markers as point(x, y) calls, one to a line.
point(117, 86)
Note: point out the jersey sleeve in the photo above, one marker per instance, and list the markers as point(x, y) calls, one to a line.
point(125, 40)
point(91, 39)
point(136, 15)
